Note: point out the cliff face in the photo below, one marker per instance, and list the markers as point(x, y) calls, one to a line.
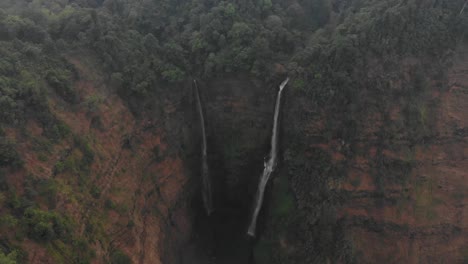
point(420, 218)
point(127, 175)
point(121, 180)
point(377, 176)
point(381, 181)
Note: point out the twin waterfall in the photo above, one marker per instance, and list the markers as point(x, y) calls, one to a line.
point(269, 165)
point(206, 184)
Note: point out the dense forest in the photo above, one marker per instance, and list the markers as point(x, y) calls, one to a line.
point(144, 43)
point(329, 49)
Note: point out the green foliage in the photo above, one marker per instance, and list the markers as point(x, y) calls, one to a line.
point(298, 84)
point(2, 195)
point(44, 226)
point(24, 64)
point(83, 253)
point(8, 221)
point(197, 42)
point(320, 11)
point(95, 192)
point(119, 257)
point(241, 32)
point(283, 200)
point(130, 224)
point(18, 87)
point(167, 40)
point(172, 74)
point(59, 167)
point(77, 160)
point(8, 154)
point(21, 28)
point(57, 131)
point(42, 157)
point(265, 4)
point(88, 154)
point(41, 145)
point(109, 204)
point(92, 102)
point(60, 81)
point(48, 189)
point(117, 80)
point(14, 201)
point(9, 258)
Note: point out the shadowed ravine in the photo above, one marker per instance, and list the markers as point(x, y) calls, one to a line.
point(221, 236)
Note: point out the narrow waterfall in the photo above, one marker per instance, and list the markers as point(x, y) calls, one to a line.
point(206, 182)
point(269, 165)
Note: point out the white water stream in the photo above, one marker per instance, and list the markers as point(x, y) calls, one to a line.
point(206, 182)
point(269, 165)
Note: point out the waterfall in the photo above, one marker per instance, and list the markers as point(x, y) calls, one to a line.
point(269, 165)
point(206, 183)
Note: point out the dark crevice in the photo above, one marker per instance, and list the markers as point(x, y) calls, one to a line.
point(221, 238)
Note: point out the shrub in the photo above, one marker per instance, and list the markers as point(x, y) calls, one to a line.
point(42, 232)
point(47, 188)
point(299, 84)
point(44, 226)
point(8, 221)
point(42, 157)
point(8, 259)
point(173, 74)
point(86, 150)
point(109, 204)
point(95, 192)
point(59, 80)
point(3, 182)
point(119, 257)
point(57, 130)
point(59, 167)
point(8, 154)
